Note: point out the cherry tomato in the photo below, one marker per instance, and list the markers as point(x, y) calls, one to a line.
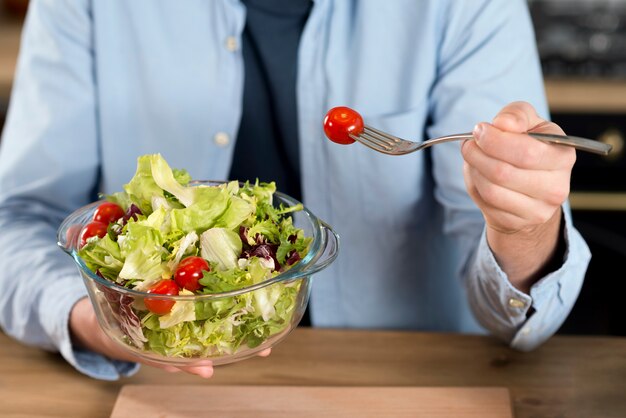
point(162, 287)
point(92, 229)
point(108, 212)
point(340, 122)
point(189, 271)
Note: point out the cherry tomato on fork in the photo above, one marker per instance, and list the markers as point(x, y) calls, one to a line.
point(162, 287)
point(92, 229)
point(189, 271)
point(108, 212)
point(340, 122)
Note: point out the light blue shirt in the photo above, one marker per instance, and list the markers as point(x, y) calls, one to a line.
point(100, 82)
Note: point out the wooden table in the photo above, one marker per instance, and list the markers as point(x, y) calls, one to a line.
point(566, 377)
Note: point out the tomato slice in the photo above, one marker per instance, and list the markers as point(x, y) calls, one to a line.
point(108, 212)
point(189, 271)
point(162, 287)
point(92, 229)
point(340, 122)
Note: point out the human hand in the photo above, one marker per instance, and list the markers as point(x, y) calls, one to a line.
point(519, 183)
point(87, 333)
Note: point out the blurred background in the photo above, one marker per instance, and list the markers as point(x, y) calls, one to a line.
point(582, 45)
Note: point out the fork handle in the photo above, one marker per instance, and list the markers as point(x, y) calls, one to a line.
point(577, 142)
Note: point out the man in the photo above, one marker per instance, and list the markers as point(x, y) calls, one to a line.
point(445, 239)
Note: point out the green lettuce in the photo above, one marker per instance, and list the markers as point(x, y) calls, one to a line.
point(103, 256)
point(142, 187)
point(224, 325)
point(142, 248)
point(179, 219)
point(222, 247)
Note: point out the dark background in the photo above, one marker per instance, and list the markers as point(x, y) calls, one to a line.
point(582, 44)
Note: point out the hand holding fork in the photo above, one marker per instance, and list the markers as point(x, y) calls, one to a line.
point(345, 126)
point(518, 183)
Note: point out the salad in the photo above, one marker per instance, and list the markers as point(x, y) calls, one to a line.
point(164, 235)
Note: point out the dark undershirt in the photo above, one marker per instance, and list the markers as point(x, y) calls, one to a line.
point(267, 142)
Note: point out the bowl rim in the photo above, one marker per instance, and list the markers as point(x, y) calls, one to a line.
point(305, 267)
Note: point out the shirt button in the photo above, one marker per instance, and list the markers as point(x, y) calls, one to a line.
point(231, 44)
point(221, 139)
point(516, 303)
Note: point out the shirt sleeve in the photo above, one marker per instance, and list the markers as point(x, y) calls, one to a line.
point(48, 167)
point(504, 310)
point(488, 59)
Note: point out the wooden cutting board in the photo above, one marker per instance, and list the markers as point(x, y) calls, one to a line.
point(162, 401)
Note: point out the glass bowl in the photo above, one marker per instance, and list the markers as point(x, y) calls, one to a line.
point(121, 311)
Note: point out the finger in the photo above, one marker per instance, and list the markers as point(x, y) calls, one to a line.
point(518, 117)
point(265, 352)
point(202, 371)
point(551, 187)
point(203, 368)
point(205, 372)
point(494, 218)
point(497, 200)
point(170, 369)
point(547, 127)
point(522, 151)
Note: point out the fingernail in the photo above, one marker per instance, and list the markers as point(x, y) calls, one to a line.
point(478, 130)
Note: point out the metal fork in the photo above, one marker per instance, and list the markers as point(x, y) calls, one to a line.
point(388, 144)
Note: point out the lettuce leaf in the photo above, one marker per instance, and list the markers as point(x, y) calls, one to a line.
point(142, 187)
point(221, 247)
point(182, 311)
point(103, 256)
point(142, 249)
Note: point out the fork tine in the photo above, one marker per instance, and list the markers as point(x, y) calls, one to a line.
point(389, 139)
point(367, 141)
point(372, 137)
point(375, 139)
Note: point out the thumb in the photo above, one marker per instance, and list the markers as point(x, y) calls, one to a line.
point(517, 117)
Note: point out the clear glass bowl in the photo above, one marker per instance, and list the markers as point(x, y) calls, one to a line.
point(120, 310)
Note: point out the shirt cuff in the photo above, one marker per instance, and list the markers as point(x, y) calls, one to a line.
point(554, 295)
point(56, 307)
point(497, 304)
point(503, 309)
